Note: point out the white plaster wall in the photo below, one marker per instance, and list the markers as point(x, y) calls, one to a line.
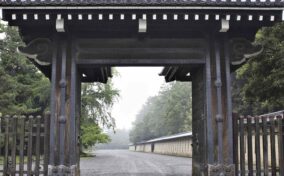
point(132, 148)
point(176, 147)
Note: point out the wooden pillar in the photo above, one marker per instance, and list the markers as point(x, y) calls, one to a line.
point(199, 146)
point(212, 111)
point(221, 108)
point(65, 109)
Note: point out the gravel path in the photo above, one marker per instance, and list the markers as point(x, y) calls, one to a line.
point(128, 163)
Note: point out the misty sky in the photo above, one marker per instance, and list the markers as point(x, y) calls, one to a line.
point(136, 84)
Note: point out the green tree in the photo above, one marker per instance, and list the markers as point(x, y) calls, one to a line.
point(259, 83)
point(97, 101)
point(24, 90)
point(92, 134)
point(167, 113)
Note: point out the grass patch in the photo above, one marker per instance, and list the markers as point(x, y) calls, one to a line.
point(87, 155)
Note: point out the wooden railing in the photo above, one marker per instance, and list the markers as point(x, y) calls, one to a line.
point(24, 145)
point(259, 148)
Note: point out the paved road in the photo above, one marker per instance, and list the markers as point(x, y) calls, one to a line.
point(127, 163)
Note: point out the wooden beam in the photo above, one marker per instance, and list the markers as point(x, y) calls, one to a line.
point(138, 62)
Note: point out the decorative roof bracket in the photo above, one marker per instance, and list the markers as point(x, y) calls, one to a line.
point(225, 25)
point(60, 27)
point(142, 26)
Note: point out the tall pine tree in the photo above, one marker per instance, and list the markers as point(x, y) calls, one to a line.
point(259, 84)
point(165, 114)
point(24, 90)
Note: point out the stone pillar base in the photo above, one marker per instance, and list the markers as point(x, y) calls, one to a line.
point(221, 170)
point(62, 170)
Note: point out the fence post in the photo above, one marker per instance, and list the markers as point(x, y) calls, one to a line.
point(280, 145)
point(249, 146)
point(6, 155)
point(13, 147)
point(272, 145)
point(37, 150)
point(1, 137)
point(22, 143)
point(46, 141)
point(30, 144)
point(236, 142)
point(257, 146)
point(265, 141)
point(242, 147)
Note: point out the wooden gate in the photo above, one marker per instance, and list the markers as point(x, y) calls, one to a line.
point(24, 145)
point(259, 144)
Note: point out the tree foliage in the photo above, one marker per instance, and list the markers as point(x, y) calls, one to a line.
point(167, 113)
point(259, 84)
point(92, 134)
point(97, 101)
point(24, 90)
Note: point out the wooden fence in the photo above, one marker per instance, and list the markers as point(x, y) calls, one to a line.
point(24, 145)
point(259, 148)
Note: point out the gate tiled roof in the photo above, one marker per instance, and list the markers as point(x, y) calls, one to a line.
point(201, 3)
